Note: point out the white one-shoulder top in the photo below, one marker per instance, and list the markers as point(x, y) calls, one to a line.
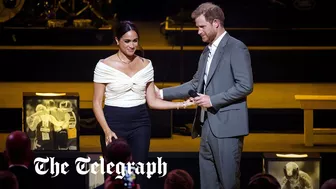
point(122, 90)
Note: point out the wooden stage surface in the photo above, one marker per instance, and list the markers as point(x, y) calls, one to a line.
point(289, 143)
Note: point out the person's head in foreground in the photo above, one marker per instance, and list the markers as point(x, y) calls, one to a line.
point(178, 179)
point(263, 181)
point(329, 184)
point(8, 180)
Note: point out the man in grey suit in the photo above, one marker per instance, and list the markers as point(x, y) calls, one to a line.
point(223, 81)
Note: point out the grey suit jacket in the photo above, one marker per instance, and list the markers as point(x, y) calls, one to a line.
point(229, 82)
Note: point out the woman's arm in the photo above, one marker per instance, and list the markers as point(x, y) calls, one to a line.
point(98, 93)
point(156, 103)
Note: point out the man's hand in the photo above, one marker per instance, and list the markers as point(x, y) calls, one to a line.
point(203, 101)
point(189, 102)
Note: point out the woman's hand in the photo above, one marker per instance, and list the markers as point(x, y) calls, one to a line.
point(109, 135)
point(189, 102)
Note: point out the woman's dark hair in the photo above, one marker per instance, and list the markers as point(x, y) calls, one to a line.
point(118, 151)
point(124, 27)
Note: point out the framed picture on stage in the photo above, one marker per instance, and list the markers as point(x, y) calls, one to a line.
point(294, 171)
point(51, 120)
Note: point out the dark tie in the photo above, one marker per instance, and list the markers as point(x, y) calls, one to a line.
point(206, 72)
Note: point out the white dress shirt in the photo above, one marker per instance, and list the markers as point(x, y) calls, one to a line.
point(212, 48)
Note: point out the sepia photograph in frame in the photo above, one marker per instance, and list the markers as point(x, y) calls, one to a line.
point(51, 120)
point(294, 171)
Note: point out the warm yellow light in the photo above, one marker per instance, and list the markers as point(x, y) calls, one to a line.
point(292, 155)
point(50, 94)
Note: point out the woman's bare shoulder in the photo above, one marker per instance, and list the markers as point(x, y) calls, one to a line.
point(145, 61)
point(111, 60)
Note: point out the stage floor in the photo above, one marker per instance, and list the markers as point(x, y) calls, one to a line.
point(282, 143)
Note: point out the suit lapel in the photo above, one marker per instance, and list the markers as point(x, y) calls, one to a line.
point(217, 57)
point(202, 69)
point(196, 129)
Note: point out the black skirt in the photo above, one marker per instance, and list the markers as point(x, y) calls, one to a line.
point(122, 121)
point(132, 124)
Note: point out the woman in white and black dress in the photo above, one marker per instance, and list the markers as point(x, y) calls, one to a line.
point(127, 83)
